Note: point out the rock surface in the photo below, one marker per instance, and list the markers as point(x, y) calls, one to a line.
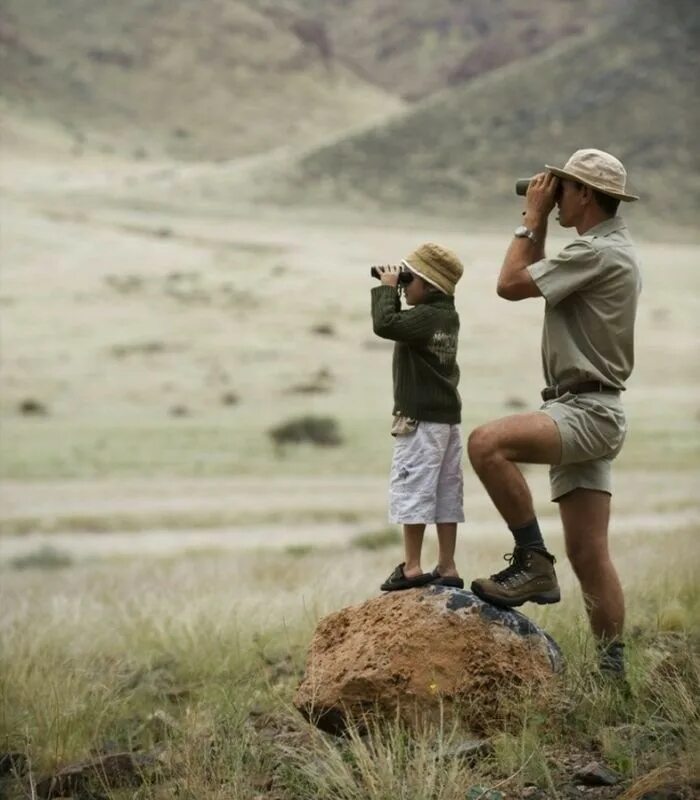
point(596, 774)
point(422, 653)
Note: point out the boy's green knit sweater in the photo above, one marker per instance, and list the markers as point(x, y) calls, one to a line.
point(425, 355)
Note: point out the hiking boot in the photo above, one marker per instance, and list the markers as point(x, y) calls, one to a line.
point(611, 659)
point(529, 576)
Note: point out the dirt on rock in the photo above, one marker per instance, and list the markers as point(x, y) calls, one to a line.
point(423, 654)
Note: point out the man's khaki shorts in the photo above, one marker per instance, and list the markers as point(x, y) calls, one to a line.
point(592, 429)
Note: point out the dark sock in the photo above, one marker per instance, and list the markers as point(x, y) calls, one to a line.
point(529, 536)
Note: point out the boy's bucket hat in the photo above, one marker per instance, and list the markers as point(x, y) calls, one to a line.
point(596, 169)
point(437, 265)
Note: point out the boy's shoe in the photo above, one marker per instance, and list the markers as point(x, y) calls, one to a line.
point(448, 580)
point(398, 581)
point(529, 576)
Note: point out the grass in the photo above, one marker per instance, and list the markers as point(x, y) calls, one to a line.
point(202, 662)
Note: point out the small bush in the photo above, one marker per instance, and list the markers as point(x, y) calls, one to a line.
point(46, 557)
point(319, 431)
point(377, 540)
point(30, 407)
point(298, 550)
point(323, 329)
point(319, 383)
point(125, 283)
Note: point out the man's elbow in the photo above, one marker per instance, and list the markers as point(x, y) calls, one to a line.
point(508, 291)
point(517, 289)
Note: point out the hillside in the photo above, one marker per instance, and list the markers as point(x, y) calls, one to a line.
point(223, 79)
point(629, 88)
point(414, 48)
point(206, 80)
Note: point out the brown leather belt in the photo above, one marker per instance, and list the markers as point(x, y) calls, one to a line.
point(552, 392)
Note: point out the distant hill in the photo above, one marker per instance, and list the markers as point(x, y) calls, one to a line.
point(205, 79)
point(221, 79)
point(415, 48)
point(630, 88)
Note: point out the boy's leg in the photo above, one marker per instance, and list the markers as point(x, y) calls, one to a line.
point(450, 503)
point(414, 473)
point(447, 539)
point(413, 544)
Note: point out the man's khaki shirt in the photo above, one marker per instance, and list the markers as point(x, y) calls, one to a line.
point(591, 289)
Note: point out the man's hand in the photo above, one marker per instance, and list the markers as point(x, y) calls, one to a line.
point(541, 197)
point(389, 275)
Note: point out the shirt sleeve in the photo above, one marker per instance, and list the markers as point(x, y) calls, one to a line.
point(413, 326)
point(576, 266)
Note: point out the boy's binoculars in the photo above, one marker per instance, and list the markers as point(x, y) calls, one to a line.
point(405, 275)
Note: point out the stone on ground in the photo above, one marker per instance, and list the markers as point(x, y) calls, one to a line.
point(425, 655)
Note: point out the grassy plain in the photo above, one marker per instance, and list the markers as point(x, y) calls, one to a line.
point(148, 348)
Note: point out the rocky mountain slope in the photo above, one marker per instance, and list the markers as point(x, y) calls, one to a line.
point(629, 88)
point(205, 80)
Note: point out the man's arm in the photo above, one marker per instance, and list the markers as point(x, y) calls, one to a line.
point(514, 281)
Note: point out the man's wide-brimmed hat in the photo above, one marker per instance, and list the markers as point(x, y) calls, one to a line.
point(597, 169)
point(437, 265)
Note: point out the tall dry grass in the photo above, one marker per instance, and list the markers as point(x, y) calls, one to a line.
point(198, 657)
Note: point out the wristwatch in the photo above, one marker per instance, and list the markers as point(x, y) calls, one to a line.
point(521, 232)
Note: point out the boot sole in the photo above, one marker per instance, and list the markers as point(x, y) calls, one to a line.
point(543, 599)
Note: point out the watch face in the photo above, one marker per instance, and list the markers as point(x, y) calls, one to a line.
point(521, 230)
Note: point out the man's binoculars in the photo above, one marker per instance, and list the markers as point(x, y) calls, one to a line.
point(522, 184)
point(405, 275)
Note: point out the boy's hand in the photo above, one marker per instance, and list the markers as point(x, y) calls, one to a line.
point(389, 275)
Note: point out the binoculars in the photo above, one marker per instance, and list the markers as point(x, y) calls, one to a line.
point(405, 275)
point(521, 186)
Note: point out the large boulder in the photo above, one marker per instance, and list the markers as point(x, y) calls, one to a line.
point(425, 654)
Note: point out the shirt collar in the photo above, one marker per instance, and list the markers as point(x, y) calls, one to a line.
point(606, 226)
point(439, 298)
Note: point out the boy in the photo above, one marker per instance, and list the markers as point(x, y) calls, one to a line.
point(426, 475)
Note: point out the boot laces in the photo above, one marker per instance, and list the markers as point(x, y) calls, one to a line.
point(517, 563)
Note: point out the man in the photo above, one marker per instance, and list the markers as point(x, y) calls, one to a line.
point(591, 290)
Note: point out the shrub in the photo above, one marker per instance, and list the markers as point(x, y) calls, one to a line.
point(377, 540)
point(30, 407)
point(45, 557)
point(319, 431)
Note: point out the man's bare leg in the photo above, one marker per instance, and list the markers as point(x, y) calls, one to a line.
point(447, 540)
point(585, 514)
point(413, 544)
point(495, 448)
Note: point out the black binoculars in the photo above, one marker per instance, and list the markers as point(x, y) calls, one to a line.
point(521, 186)
point(405, 275)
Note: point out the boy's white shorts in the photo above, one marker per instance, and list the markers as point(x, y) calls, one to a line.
point(427, 483)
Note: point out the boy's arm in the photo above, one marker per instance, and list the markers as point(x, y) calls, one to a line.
point(389, 322)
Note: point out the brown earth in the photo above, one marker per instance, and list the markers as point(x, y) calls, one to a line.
point(417, 655)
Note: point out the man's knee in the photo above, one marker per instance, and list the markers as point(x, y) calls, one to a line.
point(482, 444)
point(586, 557)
